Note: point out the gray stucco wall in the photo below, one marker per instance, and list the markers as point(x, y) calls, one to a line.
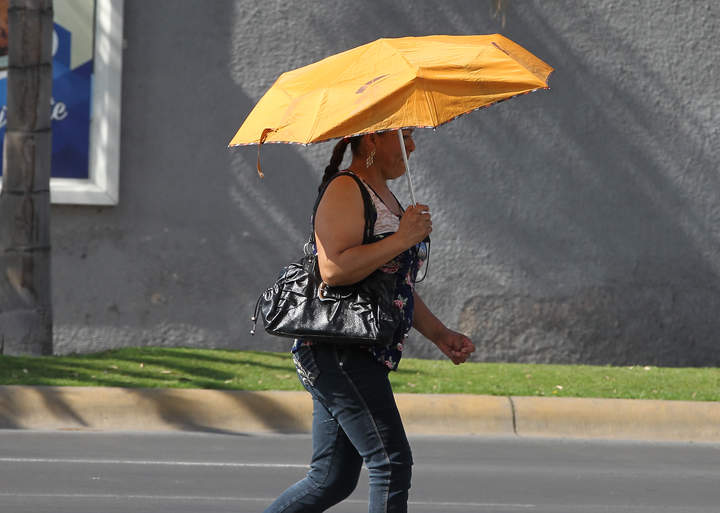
point(575, 225)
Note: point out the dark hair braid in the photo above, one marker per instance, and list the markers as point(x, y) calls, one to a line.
point(337, 157)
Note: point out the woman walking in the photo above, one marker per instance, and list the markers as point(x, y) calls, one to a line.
point(355, 418)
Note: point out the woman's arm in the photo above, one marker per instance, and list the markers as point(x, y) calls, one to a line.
point(454, 345)
point(339, 226)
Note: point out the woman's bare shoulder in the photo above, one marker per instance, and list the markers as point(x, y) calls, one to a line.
point(342, 190)
point(340, 215)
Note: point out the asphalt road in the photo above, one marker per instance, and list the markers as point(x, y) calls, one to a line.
point(171, 472)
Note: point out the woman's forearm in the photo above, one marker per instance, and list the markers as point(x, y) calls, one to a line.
point(425, 321)
point(354, 264)
point(452, 344)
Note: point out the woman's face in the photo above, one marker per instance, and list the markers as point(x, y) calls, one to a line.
point(388, 154)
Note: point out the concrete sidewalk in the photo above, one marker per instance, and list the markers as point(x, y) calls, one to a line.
point(238, 411)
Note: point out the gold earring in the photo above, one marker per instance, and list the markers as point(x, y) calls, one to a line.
point(370, 160)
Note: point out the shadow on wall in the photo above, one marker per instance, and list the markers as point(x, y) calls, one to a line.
point(623, 197)
point(586, 225)
point(595, 218)
point(197, 235)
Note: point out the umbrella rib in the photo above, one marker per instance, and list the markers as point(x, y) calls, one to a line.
point(521, 63)
point(413, 67)
point(432, 106)
point(316, 117)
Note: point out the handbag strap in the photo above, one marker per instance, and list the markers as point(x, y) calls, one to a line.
point(370, 212)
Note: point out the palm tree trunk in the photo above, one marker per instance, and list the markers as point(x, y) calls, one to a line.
point(25, 302)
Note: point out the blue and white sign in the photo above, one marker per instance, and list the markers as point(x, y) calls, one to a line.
point(86, 100)
point(70, 110)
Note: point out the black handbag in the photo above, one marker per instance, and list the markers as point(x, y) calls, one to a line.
point(300, 305)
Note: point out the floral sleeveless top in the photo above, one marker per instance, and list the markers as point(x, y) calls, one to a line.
point(405, 267)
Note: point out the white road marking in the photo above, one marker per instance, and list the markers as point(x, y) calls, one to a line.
point(153, 462)
point(243, 499)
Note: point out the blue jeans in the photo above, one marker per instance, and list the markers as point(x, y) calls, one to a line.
point(355, 419)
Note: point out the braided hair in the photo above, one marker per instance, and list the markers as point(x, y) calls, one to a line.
point(337, 157)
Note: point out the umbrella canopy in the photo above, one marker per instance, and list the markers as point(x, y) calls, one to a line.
point(392, 84)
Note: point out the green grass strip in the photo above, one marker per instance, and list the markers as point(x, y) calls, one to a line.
point(153, 367)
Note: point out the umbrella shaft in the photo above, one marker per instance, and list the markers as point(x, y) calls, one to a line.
point(407, 167)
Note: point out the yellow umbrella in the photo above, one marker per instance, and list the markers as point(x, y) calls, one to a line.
point(391, 84)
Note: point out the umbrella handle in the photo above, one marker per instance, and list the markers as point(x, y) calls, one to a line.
point(407, 167)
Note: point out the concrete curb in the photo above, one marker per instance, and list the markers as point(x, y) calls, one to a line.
point(290, 412)
point(629, 419)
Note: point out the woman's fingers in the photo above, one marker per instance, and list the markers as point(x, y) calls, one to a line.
point(416, 223)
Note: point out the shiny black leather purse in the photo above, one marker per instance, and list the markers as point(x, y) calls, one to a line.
point(300, 305)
